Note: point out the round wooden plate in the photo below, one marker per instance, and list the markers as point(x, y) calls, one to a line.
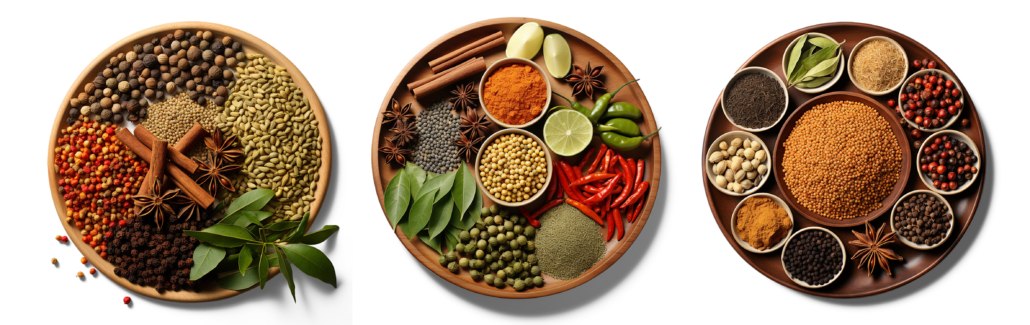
point(584, 49)
point(251, 44)
point(853, 281)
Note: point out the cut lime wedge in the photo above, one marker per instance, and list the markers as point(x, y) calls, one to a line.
point(557, 55)
point(525, 42)
point(567, 132)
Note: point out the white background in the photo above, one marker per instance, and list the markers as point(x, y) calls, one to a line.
point(681, 269)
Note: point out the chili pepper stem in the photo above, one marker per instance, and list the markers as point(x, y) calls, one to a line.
point(620, 87)
point(647, 137)
point(565, 98)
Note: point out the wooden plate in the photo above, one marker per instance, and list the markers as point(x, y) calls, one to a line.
point(853, 282)
point(251, 44)
point(899, 133)
point(584, 49)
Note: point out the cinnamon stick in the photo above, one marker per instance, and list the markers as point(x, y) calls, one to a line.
point(183, 181)
point(187, 164)
point(478, 65)
point(195, 133)
point(467, 51)
point(423, 81)
point(157, 166)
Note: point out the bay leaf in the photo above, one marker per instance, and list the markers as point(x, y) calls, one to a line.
point(245, 258)
point(311, 261)
point(283, 225)
point(301, 228)
point(417, 172)
point(440, 218)
point(824, 68)
point(237, 280)
point(464, 189)
point(441, 184)
point(414, 185)
point(821, 42)
point(262, 270)
point(814, 82)
point(222, 235)
point(205, 258)
point(812, 61)
point(287, 271)
point(246, 218)
point(450, 240)
point(319, 236)
point(795, 54)
point(432, 242)
point(420, 214)
point(397, 197)
point(250, 201)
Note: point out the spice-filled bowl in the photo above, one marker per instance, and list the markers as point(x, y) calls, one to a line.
point(739, 93)
point(514, 92)
point(811, 239)
point(822, 141)
point(499, 186)
point(758, 206)
point(834, 77)
point(911, 222)
point(742, 160)
point(935, 108)
point(957, 163)
point(899, 67)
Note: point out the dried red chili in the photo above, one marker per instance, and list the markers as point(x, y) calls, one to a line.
point(586, 210)
point(595, 177)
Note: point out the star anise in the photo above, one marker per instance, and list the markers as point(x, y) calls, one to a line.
point(405, 132)
point(468, 148)
point(474, 125)
point(585, 82)
point(464, 96)
point(223, 147)
point(873, 251)
point(394, 154)
point(156, 203)
point(397, 112)
point(216, 173)
point(187, 207)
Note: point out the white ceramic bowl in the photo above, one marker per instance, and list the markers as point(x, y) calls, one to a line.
point(828, 84)
point(547, 155)
point(744, 244)
point(728, 137)
point(921, 246)
point(843, 256)
point(946, 76)
point(961, 138)
point(750, 70)
point(509, 61)
point(851, 74)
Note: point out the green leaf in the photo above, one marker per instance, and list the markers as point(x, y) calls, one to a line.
point(283, 225)
point(795, 54)
point(474, 212)
point(420, 214)
point(236, 280)
point(451, 239)
point(464, 189)
point(262, 266)
point(228, 264)
point(416, 177)
point(205, 259)
point(431, 175)
point(273, 237)
point(396, 197)
point(311, 261)
point(813, 83)
point(250, 201)
point(441, 217)
point(432, 242)
point(247, 218)
point(301, 228)
point(824, 68)
point(813, 60)
point(319, 236)
point(245, 258)
point(441, 184)
point(821, 42)
point(222, 235)
point(287, 271)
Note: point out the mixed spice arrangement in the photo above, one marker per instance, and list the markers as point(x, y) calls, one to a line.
point(211, 179)
point(842, 160)
point(514, 193)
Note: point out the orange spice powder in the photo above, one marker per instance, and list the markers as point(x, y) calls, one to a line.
point(515, 94)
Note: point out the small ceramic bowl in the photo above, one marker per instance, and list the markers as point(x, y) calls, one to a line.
point(946, 76)
point(728, 137)
point(921, 246)
point(744, 244)
point(843, 256)
point(961, 138)
point(828, 84)
point(750, 70)
point(509, 61)
point(851, 73)
point(496, 135)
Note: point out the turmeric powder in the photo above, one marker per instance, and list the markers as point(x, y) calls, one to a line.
point(762, 223)
point(515, 94)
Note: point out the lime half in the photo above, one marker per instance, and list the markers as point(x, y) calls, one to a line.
point(567, 132)
point(557, 55)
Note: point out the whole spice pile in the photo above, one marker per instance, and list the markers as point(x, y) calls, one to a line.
point(438, 129)
point(279, 133)
point(814, 257)
point(513, 167)
point(499, 250)
point(841, 160)
point(878, 65)
point(568, 243)
point(97, 175)
point(923, 219)
point(169, 120)
point(948, 162)
point(762, 223)
point(755, 101)
point(930, 100)
point(515, 94)
point(740, 165)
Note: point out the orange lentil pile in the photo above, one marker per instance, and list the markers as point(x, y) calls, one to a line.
point(515, 94)
point(841, 160)
point(97, 176)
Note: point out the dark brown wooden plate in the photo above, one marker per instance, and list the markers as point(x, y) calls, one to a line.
point(584, 49)
point(853, 281)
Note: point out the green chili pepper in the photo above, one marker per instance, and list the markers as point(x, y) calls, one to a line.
point(623, 143)
point(576, 106)
point(601, 105)
point(624, 110)
point(620, 125)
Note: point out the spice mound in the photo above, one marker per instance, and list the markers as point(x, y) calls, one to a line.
point(762, 223)
point(923, 219)
point(437, 129)
point(841, 160)
point(814, 257)
point(568, 242)
point(515, 94)
point(513, 168)
point(755, 101)
point(878, 65)
point(146, 255)
point(169, 120)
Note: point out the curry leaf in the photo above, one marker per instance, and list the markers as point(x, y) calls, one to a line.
point(416, 177)
point(319, 236)
point(464, 189)
point(205, 259)
point(420, 214)
point(441, 217)
point(311, 261)
point(396, 197)
point(222, 235)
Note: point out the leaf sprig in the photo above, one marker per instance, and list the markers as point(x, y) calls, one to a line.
point(439, 204)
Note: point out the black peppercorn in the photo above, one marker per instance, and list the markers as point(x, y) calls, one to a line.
point(218, 47)
point(150, 61)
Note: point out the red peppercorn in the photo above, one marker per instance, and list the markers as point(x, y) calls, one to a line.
point(937, 183)
point(126, 300)
point(121, 222)
point(83, 260)
point(64, 239)
point(941, 169)
point(942, 113)
point(890, 103)
point(918, 120)
point(932, 65)
point(916, 133)
point(924, 167)
point(92, 271)
point(953, 185)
